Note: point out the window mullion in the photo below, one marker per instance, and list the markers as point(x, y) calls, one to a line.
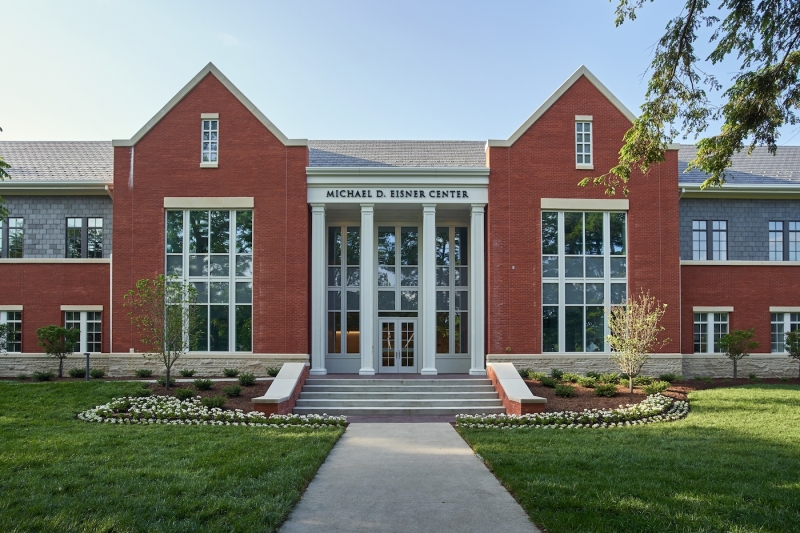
point(562, 336)
point(231, 280)
point(607, 276)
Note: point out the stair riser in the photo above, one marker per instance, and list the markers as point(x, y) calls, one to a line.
point(397, 395)
point(352, 411)
point(353, 388)
point(401, 382)
point(335, 404)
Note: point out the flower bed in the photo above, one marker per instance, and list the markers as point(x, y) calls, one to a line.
point(655, 408)
point(170, 410)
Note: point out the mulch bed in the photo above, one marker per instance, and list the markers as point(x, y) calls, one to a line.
point(586, 399)
point(242, 402)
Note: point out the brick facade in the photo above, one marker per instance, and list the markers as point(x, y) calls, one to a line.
point(541, 164)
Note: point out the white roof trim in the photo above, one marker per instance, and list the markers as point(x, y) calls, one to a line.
point(210, 69)
point(582, 71)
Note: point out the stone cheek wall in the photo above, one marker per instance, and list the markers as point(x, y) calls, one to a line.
point(748, 223)
point(45, 225)
point(689, 366)
point(124, 365)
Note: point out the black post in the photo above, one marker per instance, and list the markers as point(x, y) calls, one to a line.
point(87, 365)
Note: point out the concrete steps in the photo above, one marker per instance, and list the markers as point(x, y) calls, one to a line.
point(398, 397)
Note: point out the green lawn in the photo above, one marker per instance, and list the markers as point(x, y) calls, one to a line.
point(60, 474)
point(733, 465)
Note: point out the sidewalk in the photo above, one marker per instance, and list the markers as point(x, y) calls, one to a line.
point(405, 478)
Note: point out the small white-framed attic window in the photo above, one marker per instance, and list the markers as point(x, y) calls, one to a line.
point(209, 143)
point(583, 142)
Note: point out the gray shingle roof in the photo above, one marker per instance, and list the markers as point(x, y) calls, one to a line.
point(59, 160)
point(759, 168)
point(396, 154)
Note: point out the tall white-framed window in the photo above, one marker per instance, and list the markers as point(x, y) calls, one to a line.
point(344, 289)
point(584, 268)
point(709, 328)
point(699, 240)
point(776, 240)
point(213, 250)
point(90, 324)
point(209, 144)
point(780, 325)
point(583, 143)
point(719, 240)
point(452, 290)
point(13, 339)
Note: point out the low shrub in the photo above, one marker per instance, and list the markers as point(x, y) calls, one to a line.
point(588, 382)
point(523, 371)
point(670, 377)
point(233, 390)
point(203, 384)
point(569, 376)
point(273, 371)
point(163, 381)
point(548, 382)
point(656, 387)
point(76, 372)
point(214, 401)
point(595, 375)
point(567, 391)
point(752, 376)
point(183, 394)
point(536, 375)
point(186, 373)
point(640, 381)
point(97, 373)
point(556, 373)
point(141, 393)
point(606, 389)
point(246, 379)
point(22, 377)
point(143, 372)
point(43, 376)
point(230, 372)
point(609, 377)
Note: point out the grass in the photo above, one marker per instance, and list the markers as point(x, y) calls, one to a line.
point(61, 474)
point(731, 466)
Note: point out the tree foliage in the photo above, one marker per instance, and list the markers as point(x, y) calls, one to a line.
point(793, 344)
point(5, 331)
point(737, 345)
point(763, 37)
point(634, 330)
point(58, 342)
point(163, 310)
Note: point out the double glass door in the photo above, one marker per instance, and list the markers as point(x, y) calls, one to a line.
point(398, 345)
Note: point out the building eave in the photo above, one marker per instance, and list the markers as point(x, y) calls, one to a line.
point(55, 188)
point(733, 190)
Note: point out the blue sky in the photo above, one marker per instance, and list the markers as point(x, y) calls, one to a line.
point(100, 69)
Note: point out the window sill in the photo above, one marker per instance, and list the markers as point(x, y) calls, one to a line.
point(209, 164)
point(583, 166)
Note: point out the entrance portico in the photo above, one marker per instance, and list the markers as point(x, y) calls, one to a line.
point(397, 270)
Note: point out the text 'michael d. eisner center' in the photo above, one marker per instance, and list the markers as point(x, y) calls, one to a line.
point(368, 257)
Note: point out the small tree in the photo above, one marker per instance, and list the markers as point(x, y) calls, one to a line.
point(634, 329)
point(737, 345)
point(4, 334)
point(793, 344)
point(58, 342)
point(163, 310)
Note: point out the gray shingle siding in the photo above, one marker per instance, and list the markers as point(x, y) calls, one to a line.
point(748, 223)
point(45, 226)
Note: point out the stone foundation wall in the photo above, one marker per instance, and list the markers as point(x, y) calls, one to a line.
point(689, 366)
point(124, 365)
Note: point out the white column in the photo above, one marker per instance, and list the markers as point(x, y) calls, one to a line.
point(476, 292)
point(367, 305)
point(318, 296)
point(428, 315)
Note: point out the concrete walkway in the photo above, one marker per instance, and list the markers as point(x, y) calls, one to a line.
point(405, 478)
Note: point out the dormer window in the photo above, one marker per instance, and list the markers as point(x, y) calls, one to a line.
point(209, 145)
point(583, 142)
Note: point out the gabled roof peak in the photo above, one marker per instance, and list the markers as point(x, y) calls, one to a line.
point(582, 71)
point(205, 71)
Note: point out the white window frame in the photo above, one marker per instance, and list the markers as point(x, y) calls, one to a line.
point(775, 241)
point(83, 342)
point(785, 321)
point(711, 318)
point(719, 240)
point(699, 240)
point(581, 123)
point(794, 240)
point(4, 311)
point(209, 147)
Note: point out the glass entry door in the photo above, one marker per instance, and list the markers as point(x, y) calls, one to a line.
point(398, 346)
